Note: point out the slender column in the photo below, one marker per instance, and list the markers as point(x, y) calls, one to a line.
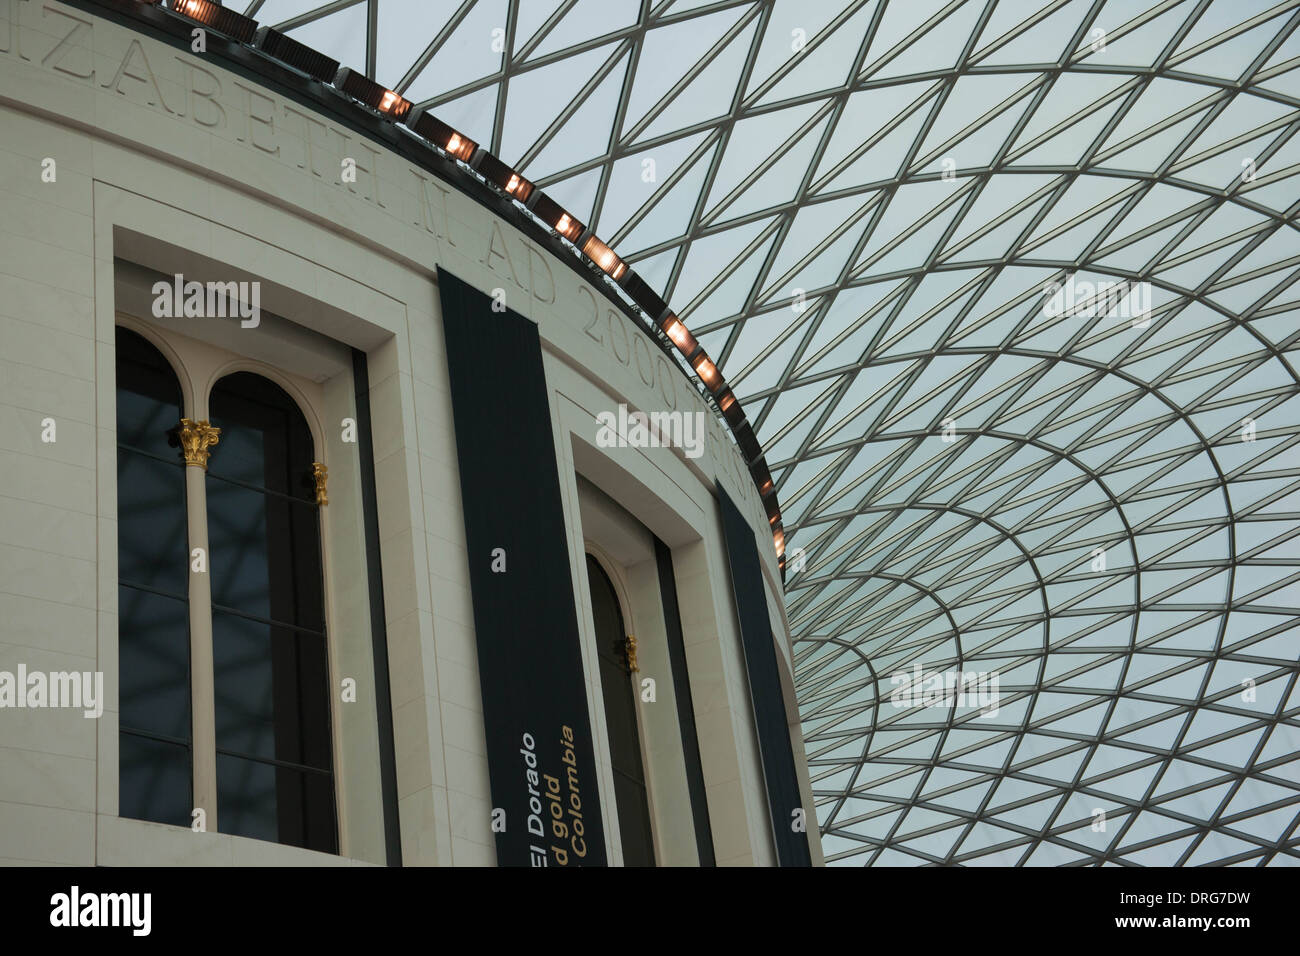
point(196, 440)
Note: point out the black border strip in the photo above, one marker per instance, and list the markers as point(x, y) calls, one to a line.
point(531, 674)
point(685, 706)
point(758, 646)
point(378, 623)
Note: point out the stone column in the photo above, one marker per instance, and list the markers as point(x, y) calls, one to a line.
point(197, 438)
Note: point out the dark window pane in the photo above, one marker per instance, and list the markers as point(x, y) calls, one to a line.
point(265, 555)
point(246, 798)
point(243, 455)
point(245, 715)
point(154, 780)
point(152, 536)
point(153, 552)
point(281, 804)
point(269, 653)
point(624, 742)
point(264, 438)
point(237, 540)
point(153, 651)
point(638, 844)
point(148, 396)
point(271, 684)
point(620, 721)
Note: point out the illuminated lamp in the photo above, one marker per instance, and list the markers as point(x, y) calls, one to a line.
point(500, 175)
point(707, 371)
point(297, 55)
point(213, 14)
point(747, 443)
point(603, 256)
point(731, 409)
point(455, 144)
point(762, 478)
point(643, 295)
point(374, 95)
point(676, 330)
point(773, 510)
point(552, 213)
point(778, 539)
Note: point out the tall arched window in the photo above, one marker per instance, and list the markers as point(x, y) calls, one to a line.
point(155, 737)
point(274, 763)
point(620, 720)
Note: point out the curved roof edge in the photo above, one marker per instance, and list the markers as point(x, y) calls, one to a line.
point(383, 116)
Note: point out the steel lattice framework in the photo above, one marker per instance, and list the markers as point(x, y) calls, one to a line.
point(858, 206)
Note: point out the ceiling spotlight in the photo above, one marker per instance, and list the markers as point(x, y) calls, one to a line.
point(680, 334)
point(372, 94)
point(453, 143)
point(501, 175)
point(297, 55)
point(707, 371)
point(731, 409)
point(552, 213)
point(603, 256)
point(214, 15)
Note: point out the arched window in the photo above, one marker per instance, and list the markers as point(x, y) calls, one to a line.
point(274, 763)
point(620, 720)
point(155, 736)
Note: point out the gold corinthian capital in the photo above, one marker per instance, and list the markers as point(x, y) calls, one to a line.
point(196, 438)
point(321, 474)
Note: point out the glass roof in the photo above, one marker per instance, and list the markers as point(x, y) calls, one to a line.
point(1010, 292)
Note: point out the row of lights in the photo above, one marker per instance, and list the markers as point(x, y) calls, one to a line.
point(460, 147)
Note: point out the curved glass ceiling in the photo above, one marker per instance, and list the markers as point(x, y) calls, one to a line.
point(902, 227)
